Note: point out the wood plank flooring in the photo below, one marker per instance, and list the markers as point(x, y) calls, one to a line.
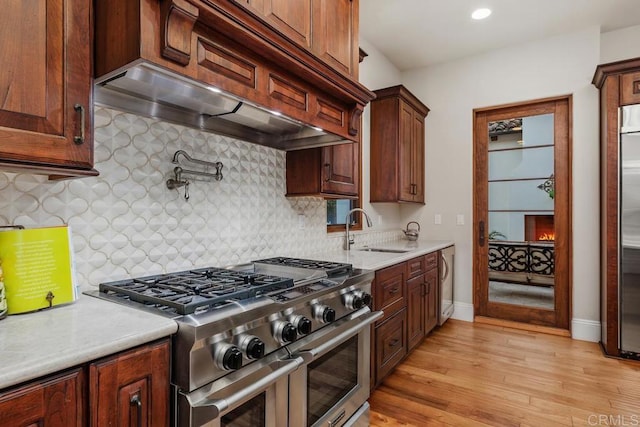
point(469, 374)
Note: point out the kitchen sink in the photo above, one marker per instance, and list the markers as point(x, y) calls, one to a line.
point(391, 251)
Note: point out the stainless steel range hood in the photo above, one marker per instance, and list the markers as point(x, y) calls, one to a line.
point(151, 91)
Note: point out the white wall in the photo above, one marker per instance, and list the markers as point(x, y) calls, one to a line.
point(556, 66)
point(620, 44)
point(376, 72)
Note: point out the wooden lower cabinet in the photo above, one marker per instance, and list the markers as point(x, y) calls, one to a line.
point(415, 311)
point(390, 344)
point(432, 297)
point(131, 388)
point(46, 102)
point(408, 293)
point(55, 401)
point(127, 389)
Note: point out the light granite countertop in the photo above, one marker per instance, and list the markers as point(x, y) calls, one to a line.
point(376, 260)
point(44, 342)
point(37, 344)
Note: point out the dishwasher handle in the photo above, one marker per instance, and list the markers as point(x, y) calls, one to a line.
point(446, 271)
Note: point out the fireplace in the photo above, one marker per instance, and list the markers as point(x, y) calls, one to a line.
point(538, 228)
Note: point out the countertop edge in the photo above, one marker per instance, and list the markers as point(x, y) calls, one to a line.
point(379, 260)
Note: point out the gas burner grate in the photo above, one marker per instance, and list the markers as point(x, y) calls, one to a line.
point(331, 268)
point(193, 291)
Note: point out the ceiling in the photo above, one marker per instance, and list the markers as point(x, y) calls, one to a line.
point(418, 33)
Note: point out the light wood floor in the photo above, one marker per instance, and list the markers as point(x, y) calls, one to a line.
point(468, 374)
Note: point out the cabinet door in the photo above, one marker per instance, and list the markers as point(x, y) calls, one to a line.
point(52, 402)
point(132, 388)
point(431, 283)
point(389, 344)
point(335, 33)
point(417, 162)
point(415, 311)
point(406, 153)
point(45, 83)
point(341, 169)
point(292, 18)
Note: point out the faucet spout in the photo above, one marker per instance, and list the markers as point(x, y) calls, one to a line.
point(348, 240)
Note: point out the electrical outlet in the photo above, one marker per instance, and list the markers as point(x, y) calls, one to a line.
point(302, 221)
point(460, 219)
point(437, 219)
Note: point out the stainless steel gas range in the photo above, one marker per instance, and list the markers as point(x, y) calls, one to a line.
point(276, 342)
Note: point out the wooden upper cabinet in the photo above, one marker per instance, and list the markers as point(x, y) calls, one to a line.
point(131, 388)
point(331, 172)
point(293, 19)
point(46, 107)
point(397, 146)
point(327, 28)
point(52, 402)
point(299, 58)
point(335, 34)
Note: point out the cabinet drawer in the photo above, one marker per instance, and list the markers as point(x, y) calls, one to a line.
point(415, 267)
point(431, 261)
point(390, 346)
point(630, 88)
point(389, 289)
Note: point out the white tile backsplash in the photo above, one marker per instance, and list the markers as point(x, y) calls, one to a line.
point(126, 222)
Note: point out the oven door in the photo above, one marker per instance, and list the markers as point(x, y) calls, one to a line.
point(332, 386)
point(255, 396)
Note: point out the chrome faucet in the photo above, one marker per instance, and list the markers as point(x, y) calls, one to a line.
point(348, 240)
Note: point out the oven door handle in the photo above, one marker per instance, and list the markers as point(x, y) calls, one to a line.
point(212, 408)
point(364, 321)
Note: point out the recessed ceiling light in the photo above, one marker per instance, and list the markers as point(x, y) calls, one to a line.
point(481, 13)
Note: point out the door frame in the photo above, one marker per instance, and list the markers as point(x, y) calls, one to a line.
point(559, 318)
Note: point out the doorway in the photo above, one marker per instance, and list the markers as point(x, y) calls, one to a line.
point(522, 213)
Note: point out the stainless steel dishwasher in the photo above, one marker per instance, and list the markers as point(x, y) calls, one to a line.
point(446, 283)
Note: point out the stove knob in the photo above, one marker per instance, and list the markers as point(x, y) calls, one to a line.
point(352, 301)
point(366, 298)
point(252, 346)
point(227, 356)
point(284, 331)
point(324, 314)
point(302, 324)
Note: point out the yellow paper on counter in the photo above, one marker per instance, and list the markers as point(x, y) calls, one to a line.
point(37, 262)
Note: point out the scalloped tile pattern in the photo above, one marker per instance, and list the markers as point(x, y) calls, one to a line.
point(126, 223)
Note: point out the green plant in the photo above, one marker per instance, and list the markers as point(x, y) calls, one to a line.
point(495, 235)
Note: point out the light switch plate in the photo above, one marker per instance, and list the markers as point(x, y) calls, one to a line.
point(460, 219)
point(437, 219)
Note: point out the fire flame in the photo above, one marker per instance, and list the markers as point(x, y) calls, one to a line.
point(547, 236)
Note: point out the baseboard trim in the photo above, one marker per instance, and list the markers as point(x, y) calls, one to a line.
point(462, 311)
point(585, 330)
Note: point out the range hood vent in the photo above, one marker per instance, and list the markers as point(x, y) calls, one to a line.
point(151, 91)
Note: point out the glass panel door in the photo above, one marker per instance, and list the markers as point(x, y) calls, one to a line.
point(521, 211)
